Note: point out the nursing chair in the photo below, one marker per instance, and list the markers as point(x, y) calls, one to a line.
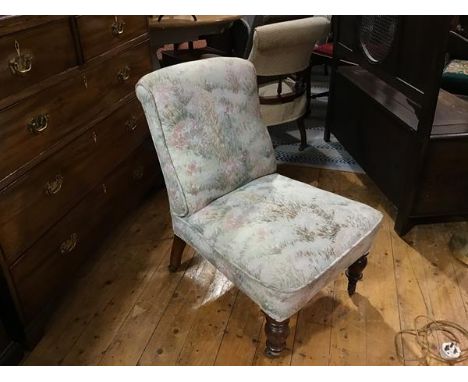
point(278, 240)
point(281, 55)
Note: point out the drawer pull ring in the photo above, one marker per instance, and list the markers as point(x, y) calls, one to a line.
point(39, 123)
point(117, 27)
point(70, 244)
point(124, 73)
point(55, 185)
point(22, 63)
point(138, 172)
point(131, 124)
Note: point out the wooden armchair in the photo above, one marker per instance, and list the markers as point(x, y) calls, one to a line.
point(281, 56)
point(278, 240)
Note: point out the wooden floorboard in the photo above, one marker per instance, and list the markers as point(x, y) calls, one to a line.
point(169, 336)
point(242, 333)
point(125, 308)
point(313, 331)
point(131, 338)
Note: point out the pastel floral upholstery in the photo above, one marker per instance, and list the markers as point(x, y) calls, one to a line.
point(276, 239)
point(207, 129)
point(280, 240)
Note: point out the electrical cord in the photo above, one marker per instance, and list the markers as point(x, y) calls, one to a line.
point(451, 330)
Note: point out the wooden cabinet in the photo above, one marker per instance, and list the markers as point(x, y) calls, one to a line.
point(10, 351)
point(67, 243)
point(76, 149)
point(4, 340)
point(34, 54)
point(409, 136)
point(100, 33)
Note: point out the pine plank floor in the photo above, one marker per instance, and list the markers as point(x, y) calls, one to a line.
point(125, 308)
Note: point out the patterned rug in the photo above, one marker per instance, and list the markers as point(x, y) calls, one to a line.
point(319, 153)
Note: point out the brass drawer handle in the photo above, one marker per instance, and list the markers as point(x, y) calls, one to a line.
point(124, 73)
point(69, 244)
point(22, 63)
point(38, 123)
point(53, 186)
point(117, 27)
point(138, 172)
point(131, 124)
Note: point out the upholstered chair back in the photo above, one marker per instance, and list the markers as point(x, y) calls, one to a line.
point(285, 48)
point(205, 123)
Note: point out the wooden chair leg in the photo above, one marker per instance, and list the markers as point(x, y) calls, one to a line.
point(276, 333)
point(308, 91)
point(354, 273)
point(326, 134)
point(178, 246)
point(302, 130)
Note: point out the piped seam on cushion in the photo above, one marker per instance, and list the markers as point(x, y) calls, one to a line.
point(297, 289)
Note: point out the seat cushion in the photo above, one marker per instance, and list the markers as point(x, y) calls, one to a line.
point(455, 77)
point(280, 240)
point(325, 49)
point(285, 112)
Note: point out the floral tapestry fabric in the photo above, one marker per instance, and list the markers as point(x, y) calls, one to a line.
point(205, 117)
point(455, 77)
point(457, 67)
point(281, 240)
point(278, 240)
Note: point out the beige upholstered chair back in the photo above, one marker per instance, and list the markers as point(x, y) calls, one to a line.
point(285, 48)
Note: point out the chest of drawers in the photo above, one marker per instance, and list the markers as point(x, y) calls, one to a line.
point(76, 154)
point(11, 350)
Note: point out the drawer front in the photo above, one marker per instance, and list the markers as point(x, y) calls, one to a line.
point(116, 77)
point(47, 266)
point(4, 339)
point(99, 34)
point(40, 197)
point(32, 55)
point(35, 124)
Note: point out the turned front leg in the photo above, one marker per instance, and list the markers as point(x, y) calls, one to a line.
point(276, 333)
point(354, 273)
point(178, 246)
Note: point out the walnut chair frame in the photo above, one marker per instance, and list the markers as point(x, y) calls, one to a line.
point(301, 86)
point(281, 52)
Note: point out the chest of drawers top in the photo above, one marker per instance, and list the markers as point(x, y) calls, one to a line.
point(34, 49)
point(59, 74)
